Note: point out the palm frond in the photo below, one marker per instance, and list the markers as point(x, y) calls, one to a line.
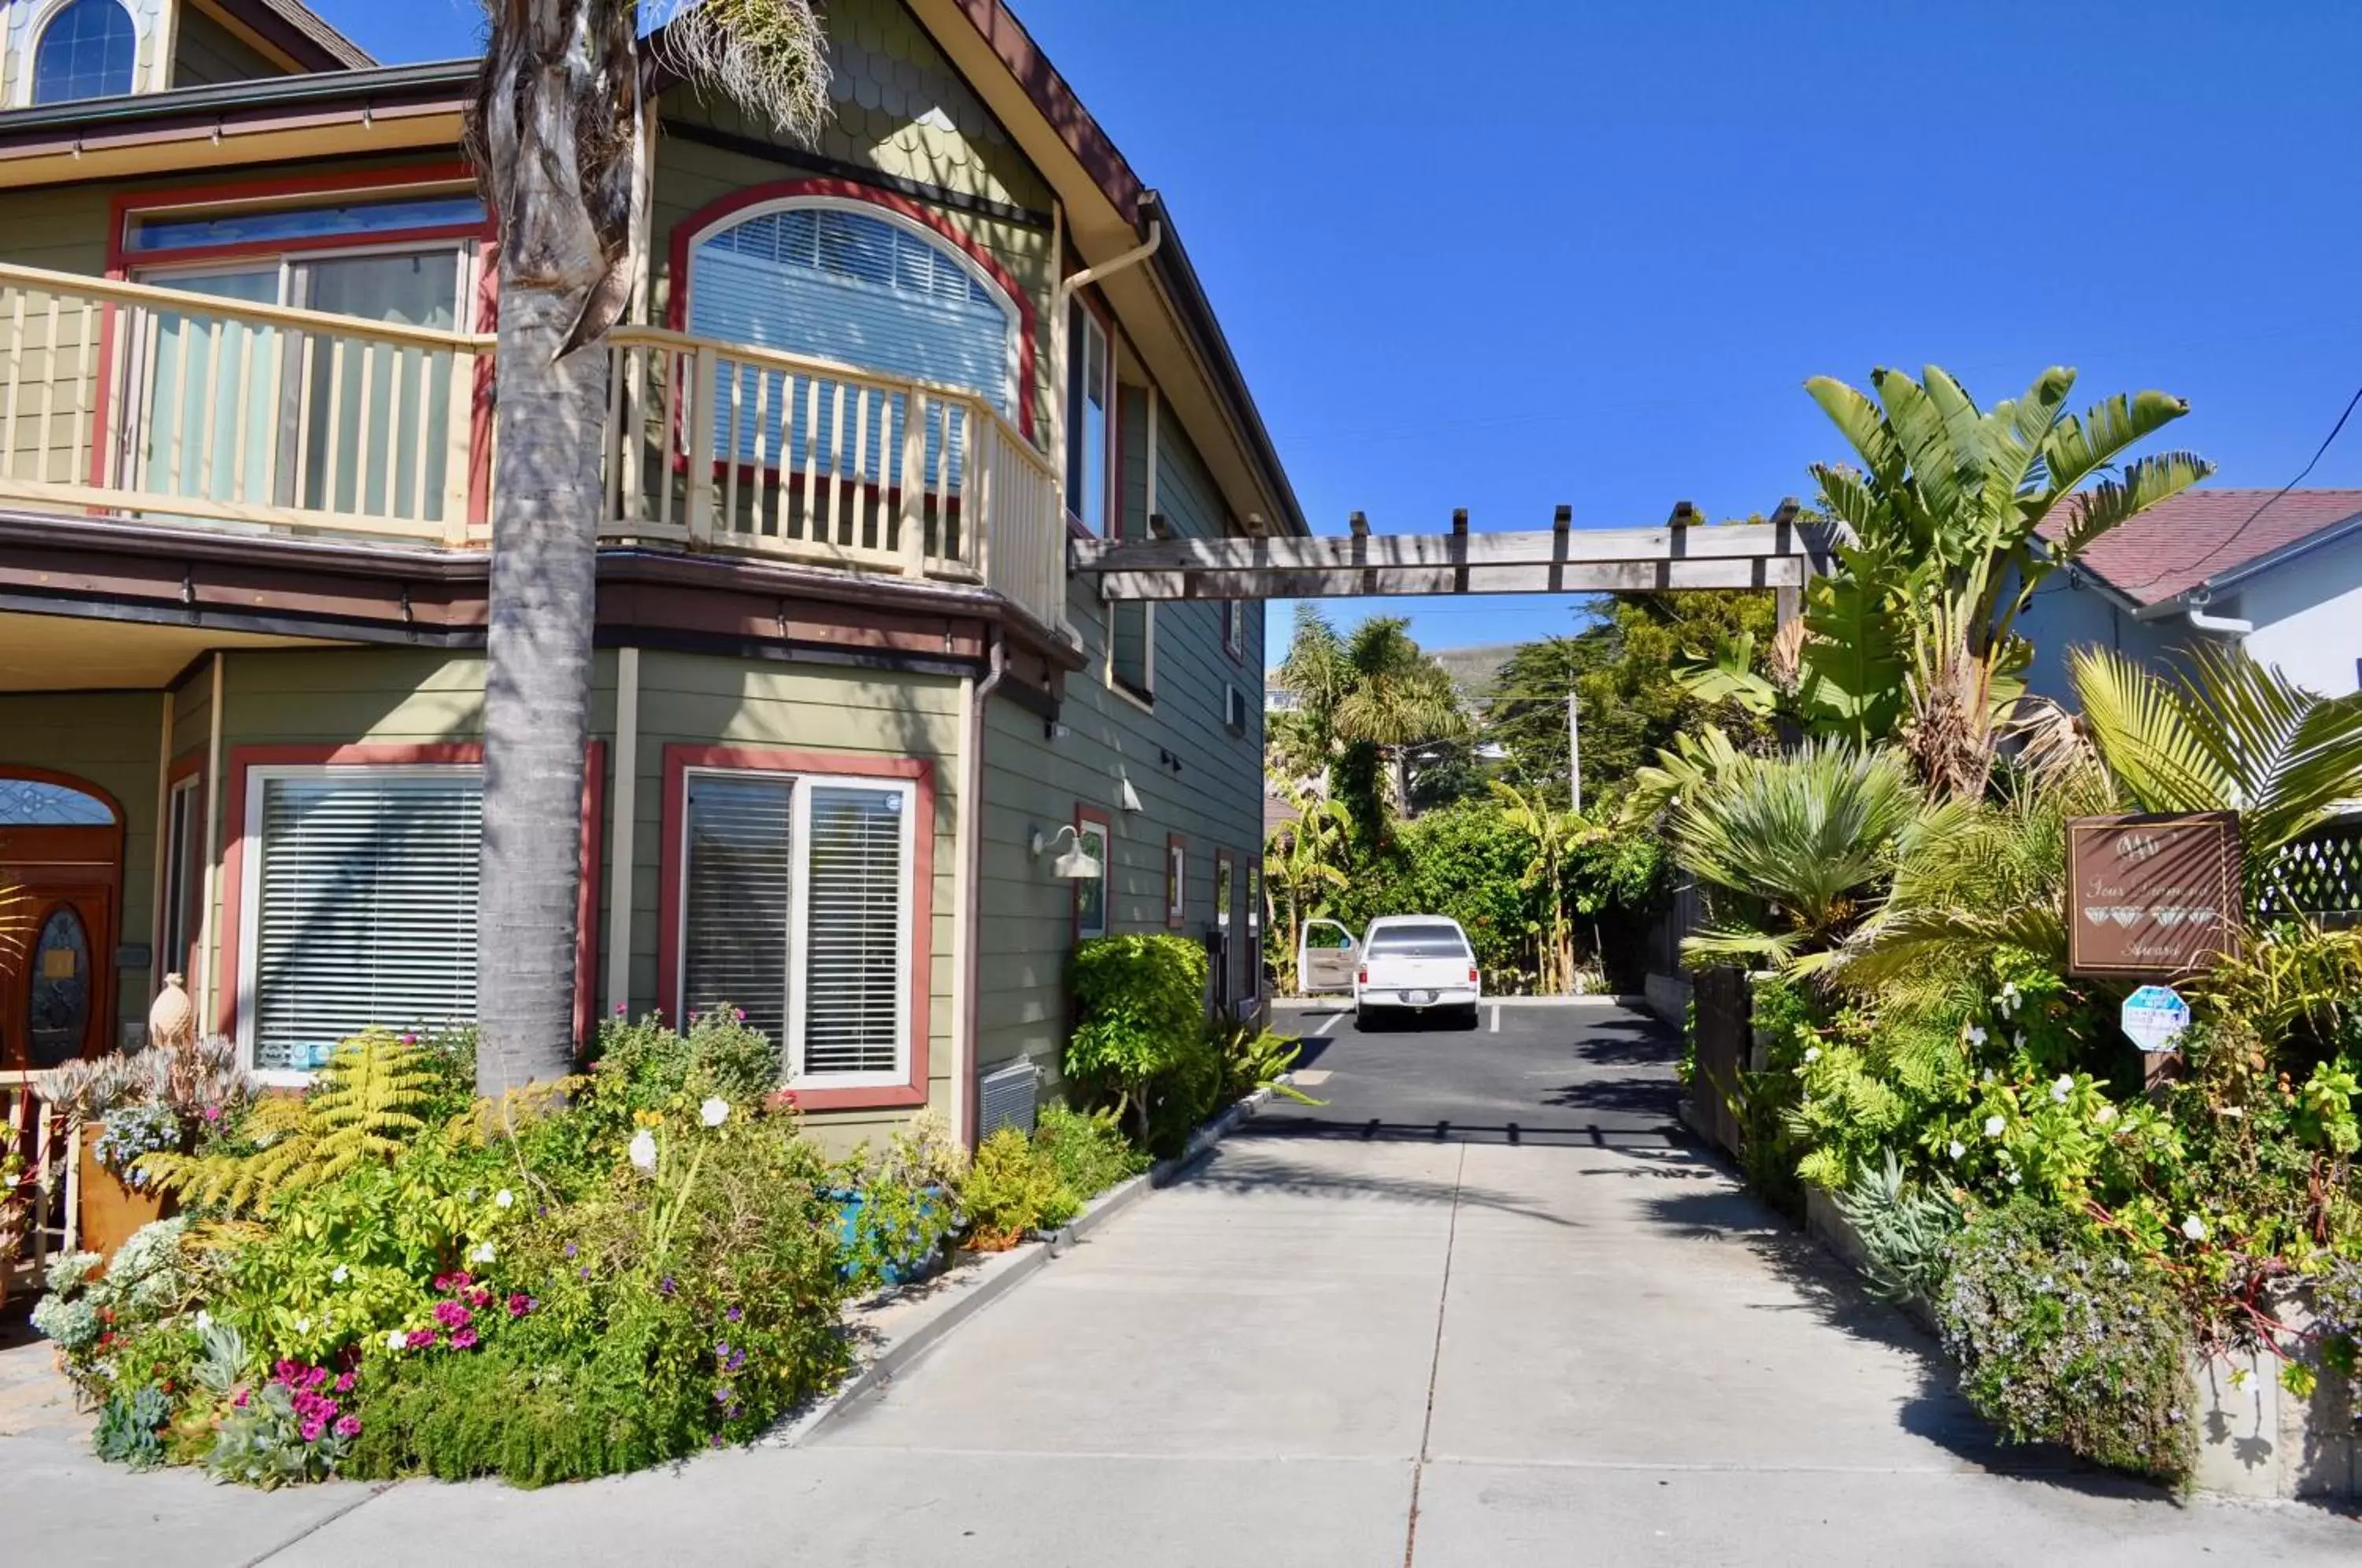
point(2145, 738)
point(2145, 482)
point(2080, 449)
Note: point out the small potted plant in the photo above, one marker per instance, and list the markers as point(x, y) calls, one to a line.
point(160, 1100)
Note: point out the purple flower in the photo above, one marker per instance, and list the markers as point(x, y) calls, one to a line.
point(348, 1427)
point(569, 1249)
point(585, 1274)
point(464, 1340)
point(734, 1314)
point(665, 1287)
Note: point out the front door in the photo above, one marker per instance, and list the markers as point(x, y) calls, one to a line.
point(61, 864)
point(1326, 959)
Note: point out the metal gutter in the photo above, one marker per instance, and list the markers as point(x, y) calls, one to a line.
point(354, 87)
point(1172, 266)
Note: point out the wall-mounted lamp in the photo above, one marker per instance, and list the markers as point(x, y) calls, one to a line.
point(1077, 865)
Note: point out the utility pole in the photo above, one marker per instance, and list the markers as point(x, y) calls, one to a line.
point(1574, 752)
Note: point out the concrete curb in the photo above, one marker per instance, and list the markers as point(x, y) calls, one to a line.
point(992, 1275)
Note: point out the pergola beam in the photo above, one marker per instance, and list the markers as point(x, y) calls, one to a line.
point(1744, 541)
point(1557, 576)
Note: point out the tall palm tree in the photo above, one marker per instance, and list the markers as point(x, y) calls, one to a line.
point(1956, 514)
point(1364, 702)
point(560, 132)
point(1557, 833)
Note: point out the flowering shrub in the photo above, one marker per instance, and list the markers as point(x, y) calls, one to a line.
point(293, 1427)
point(128, 1132)
point(2063, 1338)
point(93, 1312)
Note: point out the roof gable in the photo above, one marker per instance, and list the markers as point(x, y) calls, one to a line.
point(2203, 536)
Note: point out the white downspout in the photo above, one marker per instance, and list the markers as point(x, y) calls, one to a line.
point(1059, 302)
point(975, 695)
point(2221, 626)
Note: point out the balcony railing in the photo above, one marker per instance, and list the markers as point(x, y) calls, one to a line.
point(178, 406)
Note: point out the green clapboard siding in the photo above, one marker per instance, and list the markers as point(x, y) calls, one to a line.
point(1215, 801)
point(204, 51)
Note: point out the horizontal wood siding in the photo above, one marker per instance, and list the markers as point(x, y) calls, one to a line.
point(701, 700)
point(1215, 801)
point(110, 739)
point(205, 51)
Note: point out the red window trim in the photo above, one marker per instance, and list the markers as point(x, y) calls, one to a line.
point(678, 762)
point(1176, 889)
point(1097, 817)
point(120, 261)
point(243, 759)
point(710, 215)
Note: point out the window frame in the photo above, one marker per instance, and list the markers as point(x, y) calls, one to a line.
point(1177, 881)
point(837, 1093)
point(1095, 322)
point(1087, 817)
point(844, 195)
point(797, 1002)
point(255, 780)
point(179, 912)
point(1234, 629)
point(36, 33)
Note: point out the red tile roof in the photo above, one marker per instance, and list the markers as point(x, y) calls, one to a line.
point(2206, 534)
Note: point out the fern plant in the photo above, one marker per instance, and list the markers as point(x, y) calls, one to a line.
point(367, 1106)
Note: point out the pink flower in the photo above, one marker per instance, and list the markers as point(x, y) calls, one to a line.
point(421, 1337)
point(240, 1400)
point(480, 1297)
point(520, 1304)
point(464, 1340)
point(619, 1010)
point(212, 1113)
point(452, 1315)
point(345, 1383)
point(312, 1431)
point(348, 1427)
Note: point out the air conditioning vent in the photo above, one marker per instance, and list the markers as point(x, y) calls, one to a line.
point(1234, 710)
point(1005, 1099)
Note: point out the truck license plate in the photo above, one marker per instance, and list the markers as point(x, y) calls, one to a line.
point(1418, 999)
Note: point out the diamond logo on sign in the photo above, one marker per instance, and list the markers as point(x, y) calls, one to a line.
point(2155, 1017)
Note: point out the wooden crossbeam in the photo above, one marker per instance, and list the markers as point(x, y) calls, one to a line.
point(1744, 541)
point(1556, 577)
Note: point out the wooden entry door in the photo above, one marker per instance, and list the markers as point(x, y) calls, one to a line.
point(57, 972)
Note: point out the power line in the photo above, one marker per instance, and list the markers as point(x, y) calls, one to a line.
point(2258, 511)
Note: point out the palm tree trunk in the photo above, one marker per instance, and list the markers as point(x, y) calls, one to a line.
point(550, 132)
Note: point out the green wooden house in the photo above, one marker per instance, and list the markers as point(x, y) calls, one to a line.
point(850, 711)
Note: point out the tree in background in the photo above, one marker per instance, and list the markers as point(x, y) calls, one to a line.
point(1300, 861)
point(559, 133)
point(1364, 702)
point(1626, 671)
point(1556, 833)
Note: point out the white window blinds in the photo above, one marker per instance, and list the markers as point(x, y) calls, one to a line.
point(856, 934)
point(740, 871)
point(796, 909)
point(365, 908)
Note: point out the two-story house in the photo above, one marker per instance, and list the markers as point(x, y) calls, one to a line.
point(850, 713)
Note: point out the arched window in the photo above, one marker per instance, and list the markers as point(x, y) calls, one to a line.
point(88, 50)
point(43, 802)
point(837, 280)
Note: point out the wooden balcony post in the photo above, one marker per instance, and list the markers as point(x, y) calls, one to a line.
point(698, 399)
point(913, 491)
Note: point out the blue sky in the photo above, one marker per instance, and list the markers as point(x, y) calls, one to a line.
point(1504, 255)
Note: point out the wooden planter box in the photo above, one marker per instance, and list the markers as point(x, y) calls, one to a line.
point(109, 1211)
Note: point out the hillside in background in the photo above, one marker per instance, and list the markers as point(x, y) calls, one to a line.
point(1472, 670)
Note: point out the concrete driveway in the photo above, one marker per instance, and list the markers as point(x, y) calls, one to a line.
point(1483, 1309)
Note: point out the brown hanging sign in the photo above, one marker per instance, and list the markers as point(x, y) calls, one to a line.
point(2151, 897)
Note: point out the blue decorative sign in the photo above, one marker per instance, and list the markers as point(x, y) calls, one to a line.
point(2155, 1017)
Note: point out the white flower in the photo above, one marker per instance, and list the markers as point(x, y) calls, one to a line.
point(397, 1341)
point(2194, 1228)
point(303, 1325)
point(483, 1252)
point(1988, 1078)
point(644, 1150)
point(1993, 1126)
point(341, 1274)
point(503, 1198)
point(1956, 1149)
point(204, 1320)
point(714, 1111)
point(2063, 1087)
point(1976, 1033)
point(2018, 1039)
point(2106, 1113)
point(2014, 1178)
point(1812, 1052)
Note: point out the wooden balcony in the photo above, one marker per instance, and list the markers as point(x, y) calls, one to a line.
point(174, 406)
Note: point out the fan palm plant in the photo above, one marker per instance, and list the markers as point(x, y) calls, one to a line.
point(1802, 847)
point(560, 131)
point(1363, 702)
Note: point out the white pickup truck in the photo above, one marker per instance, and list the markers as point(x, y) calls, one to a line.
point(1419, 964)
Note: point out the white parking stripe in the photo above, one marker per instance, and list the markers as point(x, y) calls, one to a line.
point(1496, 1018)
point(1330, 1024)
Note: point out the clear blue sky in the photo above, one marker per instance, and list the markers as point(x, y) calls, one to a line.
point(1504, 255)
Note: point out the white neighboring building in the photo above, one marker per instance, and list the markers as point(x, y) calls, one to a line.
point(2280, 576)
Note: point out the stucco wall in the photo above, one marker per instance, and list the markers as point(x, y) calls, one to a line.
point(2062, 618)
point(2308, 616)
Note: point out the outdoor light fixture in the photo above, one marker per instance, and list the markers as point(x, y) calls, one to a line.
point(1077, 865)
